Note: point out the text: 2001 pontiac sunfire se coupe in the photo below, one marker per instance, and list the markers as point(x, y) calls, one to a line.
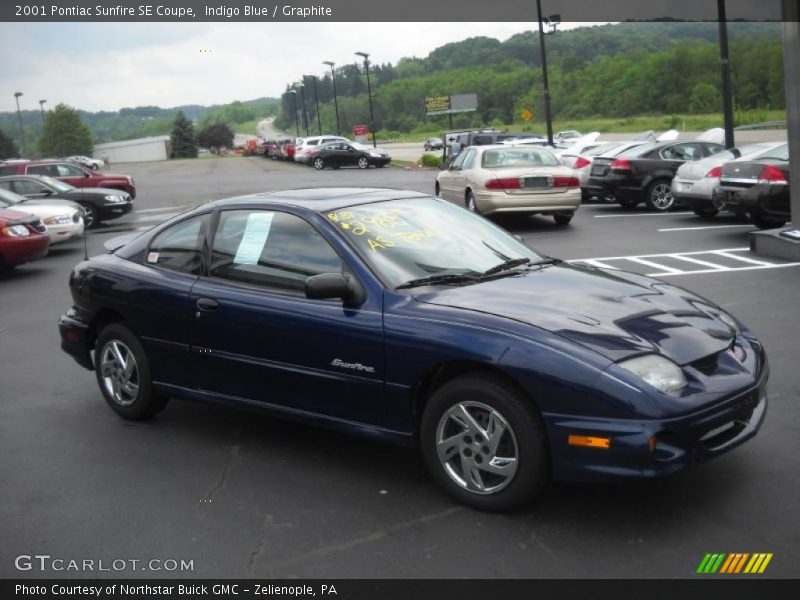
point(402, 316)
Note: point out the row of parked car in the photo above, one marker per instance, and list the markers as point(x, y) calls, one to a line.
point(749, 181)
point(326, 151)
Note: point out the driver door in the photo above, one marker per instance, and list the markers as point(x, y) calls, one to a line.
point(451, 179)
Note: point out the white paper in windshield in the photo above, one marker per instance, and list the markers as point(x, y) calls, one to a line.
point(254, 238)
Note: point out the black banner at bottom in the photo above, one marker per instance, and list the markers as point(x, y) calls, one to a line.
point(428, 589)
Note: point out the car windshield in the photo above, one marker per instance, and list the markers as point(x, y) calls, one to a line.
point(509, 158)
point(9, 198)
point(57, 185)
point(406, 240)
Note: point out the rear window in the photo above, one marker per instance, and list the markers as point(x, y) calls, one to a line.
point(518, 157)
point(779, 153)
point(637, 150)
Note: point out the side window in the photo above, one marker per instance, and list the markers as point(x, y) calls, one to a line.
point(275, 250)
point(25, 187)
point(10, 170)
point(69, 171)
point(50, 170)
point(469, 160)
point(712, 149)
point(312, 142)
point(456, 166)
point(180, 247)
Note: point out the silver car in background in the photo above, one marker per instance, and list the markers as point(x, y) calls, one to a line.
point(697, 183)
point(520, 179)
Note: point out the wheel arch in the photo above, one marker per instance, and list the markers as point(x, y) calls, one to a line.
point(103, 318)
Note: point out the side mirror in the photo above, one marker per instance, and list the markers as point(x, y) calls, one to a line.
point(86, 175)
point(330, 285)
point(736, 152)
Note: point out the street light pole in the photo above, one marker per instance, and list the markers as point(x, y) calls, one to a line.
point(302, 87)
point(316, 101)
point(19, 118)
point(335, 101)
point(294, 104)
point(727, 101)
point(41, 106)
point(369, 96)
point(547, 114)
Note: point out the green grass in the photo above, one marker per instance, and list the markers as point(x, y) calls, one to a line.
point(247, 128)
point(620, 124)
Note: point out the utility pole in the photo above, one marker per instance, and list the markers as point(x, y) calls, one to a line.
point(335, 101)
point(294, 103)
point(369, 95)
point(547, 114)
point(19, 118)
point(727, 100)
point(41, 106)
point(316, 101)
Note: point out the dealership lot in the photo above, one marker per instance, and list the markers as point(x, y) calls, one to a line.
point(250, 496)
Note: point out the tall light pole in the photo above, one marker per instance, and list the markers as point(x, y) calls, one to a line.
point(304, 113)
point(41, 106)
point(365, 55)
point(724, 60)
point(19, 118)
point(294, 104)
point(335, 101)
point(316, 101)
point(554, 21)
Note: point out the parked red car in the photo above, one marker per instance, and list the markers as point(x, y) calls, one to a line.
point(72, 173)
point(23, 238)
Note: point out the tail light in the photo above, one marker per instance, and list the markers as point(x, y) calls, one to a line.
point(508, 183)
point(771, 174)
point(565, 182)
point(582, 162)
point(714, 173)
point(620, 164)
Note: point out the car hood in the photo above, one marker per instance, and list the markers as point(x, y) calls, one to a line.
point(99, 191)
point(616, 314)
point(52, 201)
point(15, 215)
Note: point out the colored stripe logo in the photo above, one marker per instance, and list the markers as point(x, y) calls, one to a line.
point(737, 562)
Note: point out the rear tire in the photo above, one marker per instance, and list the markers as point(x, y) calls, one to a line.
point(763, 222)
point(319, 164)
point(708, 212)
point(484, 443)
point(563, 218)
point(470, 203)
point(123, 374)
point(628, 204)
point(659, 196)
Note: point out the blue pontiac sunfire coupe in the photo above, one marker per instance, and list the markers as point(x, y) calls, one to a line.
point(399, 315)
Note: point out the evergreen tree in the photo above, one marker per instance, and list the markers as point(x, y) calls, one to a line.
point(184, 143)
point(8, 149)
point(64, 134)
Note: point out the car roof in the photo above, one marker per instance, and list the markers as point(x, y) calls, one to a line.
point(322, 199)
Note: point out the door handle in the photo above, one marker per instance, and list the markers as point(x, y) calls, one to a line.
point(207, 304)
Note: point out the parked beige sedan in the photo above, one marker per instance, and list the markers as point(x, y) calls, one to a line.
point(501, 179)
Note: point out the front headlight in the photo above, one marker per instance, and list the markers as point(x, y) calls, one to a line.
point(58, 220)
point(15, 231)
point(658, 371)
point(115, 199)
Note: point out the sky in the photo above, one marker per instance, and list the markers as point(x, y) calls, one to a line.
point(108, 66)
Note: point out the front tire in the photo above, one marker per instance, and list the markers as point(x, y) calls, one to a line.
point(319, 164)
point(91, 217)
point(363, 163)
point(470, 203)
point(437, 190)
point(763, 222)
point(659, 196)
point(708, 212)
point(563, 218)
point(627, 203)
point(484, 443)
point(123, 374)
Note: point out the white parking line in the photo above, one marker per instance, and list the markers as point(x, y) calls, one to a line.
point(661, 214)
point(692, 258)
point(705, 227)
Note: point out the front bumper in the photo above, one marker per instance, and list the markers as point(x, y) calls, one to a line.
point(115, 210)
point(63, 233)
point(680, 443)
point(75, 339)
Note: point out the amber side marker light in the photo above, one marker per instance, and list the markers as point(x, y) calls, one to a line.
point(589, 441)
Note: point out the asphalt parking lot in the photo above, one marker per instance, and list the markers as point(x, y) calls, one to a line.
point(244, 495)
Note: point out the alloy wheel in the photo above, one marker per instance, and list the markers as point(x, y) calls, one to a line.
point(120, 373)
point(661, 196)
point(363, 163)
point(477, 447)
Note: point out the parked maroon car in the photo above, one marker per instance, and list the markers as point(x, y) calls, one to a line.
point(72, 173)
point(23, 238)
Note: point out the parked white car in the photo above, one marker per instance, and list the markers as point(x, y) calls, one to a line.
point(62, 218)
point(302, 146)
point(93, 163)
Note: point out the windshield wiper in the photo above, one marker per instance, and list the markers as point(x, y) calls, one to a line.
point(434, 279)
point(505, 266)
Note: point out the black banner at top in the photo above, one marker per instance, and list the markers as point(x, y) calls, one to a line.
point(382, 10)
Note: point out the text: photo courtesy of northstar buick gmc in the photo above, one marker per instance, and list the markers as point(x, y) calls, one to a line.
point(401, 316)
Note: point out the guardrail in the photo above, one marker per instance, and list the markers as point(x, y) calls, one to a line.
point(764, 125)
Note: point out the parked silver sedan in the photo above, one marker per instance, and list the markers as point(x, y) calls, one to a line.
point(502, 179)
point(697, 183)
